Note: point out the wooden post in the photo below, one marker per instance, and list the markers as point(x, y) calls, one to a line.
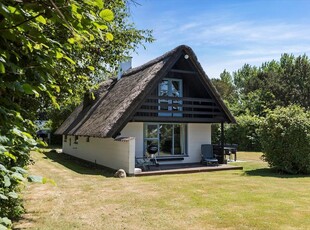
point(222, 143)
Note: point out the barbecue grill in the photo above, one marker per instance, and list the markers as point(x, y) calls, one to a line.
point(152, 150)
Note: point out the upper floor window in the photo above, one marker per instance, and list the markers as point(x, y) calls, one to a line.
point(170, 88)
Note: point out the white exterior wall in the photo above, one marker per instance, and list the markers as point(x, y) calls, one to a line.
point(135, 129)
point(108, 152)
point(121, 154)
point(198, 134)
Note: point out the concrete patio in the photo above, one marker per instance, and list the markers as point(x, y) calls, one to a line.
point(185, 168)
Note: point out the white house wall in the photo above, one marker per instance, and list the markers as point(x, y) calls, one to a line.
point(198, 134)
point(135, 129)
point(103, 151)
point(121, 154)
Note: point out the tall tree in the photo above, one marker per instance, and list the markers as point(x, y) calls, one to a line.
point(243, 76)
point(225, 86)
point(274, 83)
point(51, 50)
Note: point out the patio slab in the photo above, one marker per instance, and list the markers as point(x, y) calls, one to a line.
point(182, 169)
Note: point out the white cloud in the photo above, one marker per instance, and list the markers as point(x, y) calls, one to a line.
point(222, 40)
point(258, 50)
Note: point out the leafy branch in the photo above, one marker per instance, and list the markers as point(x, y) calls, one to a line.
point(27, 20)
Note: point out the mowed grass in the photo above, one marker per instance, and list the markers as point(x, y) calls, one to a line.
point(86, 198)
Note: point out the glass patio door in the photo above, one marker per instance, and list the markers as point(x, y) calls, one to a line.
point(169, 138)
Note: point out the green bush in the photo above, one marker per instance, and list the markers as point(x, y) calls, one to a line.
point(285, 138)
point(244, 133)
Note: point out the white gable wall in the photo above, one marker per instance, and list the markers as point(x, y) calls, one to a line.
point(135, 129)
point(103, 151)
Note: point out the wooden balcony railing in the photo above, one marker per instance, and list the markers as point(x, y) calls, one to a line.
point(179, 109)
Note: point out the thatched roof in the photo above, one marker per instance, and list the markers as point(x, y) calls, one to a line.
point(117, 101)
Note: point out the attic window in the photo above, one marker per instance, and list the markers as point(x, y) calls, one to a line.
point(167, 89)
point(76, 139)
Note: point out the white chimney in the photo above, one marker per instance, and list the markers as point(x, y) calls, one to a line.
point(123, 67)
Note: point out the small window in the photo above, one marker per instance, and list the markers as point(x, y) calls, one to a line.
point(76, 139)
point(168, 90)
point(87, 139)
point(65, 138)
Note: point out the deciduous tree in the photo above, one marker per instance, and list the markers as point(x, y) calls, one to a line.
point(50, 51)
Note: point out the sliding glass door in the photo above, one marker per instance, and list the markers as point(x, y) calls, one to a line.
point(169, 138)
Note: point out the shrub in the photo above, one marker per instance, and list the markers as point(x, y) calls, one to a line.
point(244, 133)
point(285, 138)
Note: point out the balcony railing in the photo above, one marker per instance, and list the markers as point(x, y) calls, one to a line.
point(179, 109)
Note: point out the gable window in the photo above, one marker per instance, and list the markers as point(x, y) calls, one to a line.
point(169, 89)
point(169, 138)
point(65, 138)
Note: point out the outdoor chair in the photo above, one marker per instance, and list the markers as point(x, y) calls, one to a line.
point(143, 163)
point(207, 156)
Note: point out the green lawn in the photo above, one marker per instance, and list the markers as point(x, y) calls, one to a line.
point(85, 198)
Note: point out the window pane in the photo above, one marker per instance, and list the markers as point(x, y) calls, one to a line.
point(178, 150)
point(165, 139)
point(169, 138)
point(176, 91)
point(163, 88)
point(175, 88)
point(151, 131)
point(164, 91)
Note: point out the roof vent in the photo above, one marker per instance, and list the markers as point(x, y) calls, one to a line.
point(123, 67)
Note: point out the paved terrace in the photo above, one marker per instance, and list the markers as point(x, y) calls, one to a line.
point(186, 168)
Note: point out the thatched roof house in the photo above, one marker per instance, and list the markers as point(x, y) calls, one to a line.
point(171, 92)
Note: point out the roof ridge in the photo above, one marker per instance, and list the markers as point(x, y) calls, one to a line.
point(154, 61)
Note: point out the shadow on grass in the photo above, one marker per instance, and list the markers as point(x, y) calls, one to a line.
point(269, 172)
point(25, 221)
point(78, 165)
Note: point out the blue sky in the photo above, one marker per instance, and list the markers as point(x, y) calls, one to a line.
point(225, 34)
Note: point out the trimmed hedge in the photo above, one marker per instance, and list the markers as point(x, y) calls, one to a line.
point(285, 139)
